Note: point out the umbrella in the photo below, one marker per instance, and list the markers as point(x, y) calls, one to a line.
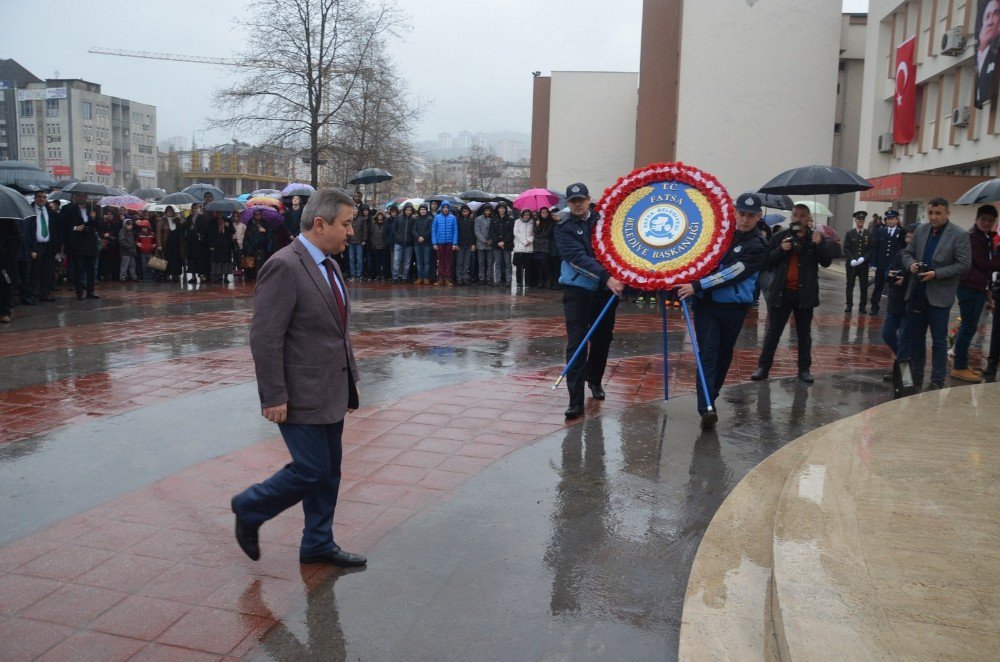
point(294, 189)
point(13, 205)
point(816, 180)
point(116, 190)
point(272, 217)
point(90, 188)
point(476, 195)
point(178, 199)
point(988, 191)
point(244, 197)
point(266, 202)
point(535, 198)
point(162, 207)
point(503, 198)
point(61, 196)
point(121, 201)
point(301, 191)
point(149, 194)
point(441, 197)
point(815, 208)
point(63, 183)
point(773, 200)
point(26, 177)
point(226, 206)
point(266, 193)
point(774, 219)
point(474, 206)
point(370, 176)
point(199, 190)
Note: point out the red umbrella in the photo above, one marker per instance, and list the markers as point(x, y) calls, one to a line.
point(534, 199)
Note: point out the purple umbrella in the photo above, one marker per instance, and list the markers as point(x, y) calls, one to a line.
point(272, 217)
point(292, 186)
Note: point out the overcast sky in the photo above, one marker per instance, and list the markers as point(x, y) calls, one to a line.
point(473, 60)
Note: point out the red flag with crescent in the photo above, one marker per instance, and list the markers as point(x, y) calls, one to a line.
point(904, 113)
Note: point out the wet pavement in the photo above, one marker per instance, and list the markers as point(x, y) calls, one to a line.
point(495, 530)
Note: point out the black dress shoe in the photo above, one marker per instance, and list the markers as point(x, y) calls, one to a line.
point(759, 374)
point(708, 420)
point(887, 377)
point(574, 411)
point(848, 308)
point(91, 295)
point(597, 391)
point(339, 558)
point(79, 296)
point(863, 310)
point(934, 386)
point(246, 535)
point(47, 299)
point(874, 311)
point(806, 377)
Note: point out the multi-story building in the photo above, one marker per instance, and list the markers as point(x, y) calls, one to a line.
point(955, 145)
point(71, 129)
point(233, 167)
point(12, 77)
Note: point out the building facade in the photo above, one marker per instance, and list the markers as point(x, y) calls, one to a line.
point(956, 145)
point(12, 77)
point(69, 128)
point(744, 90)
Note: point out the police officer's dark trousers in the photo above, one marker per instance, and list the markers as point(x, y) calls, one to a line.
point(717, 327)
point(859, 273)
point(581, 307)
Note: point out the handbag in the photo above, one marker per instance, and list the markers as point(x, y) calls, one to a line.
point(156, 262)
point(248, 262)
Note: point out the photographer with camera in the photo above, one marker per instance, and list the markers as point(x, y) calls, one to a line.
point(894, 325)
point(795, 257)
point(937, 256)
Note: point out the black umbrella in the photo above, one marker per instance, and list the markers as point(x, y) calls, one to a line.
point(25, 177)
point(475, 195)
point(90, 188)
point(441, 197)
point(178, 199)
point(370, 176)
point(199, 191)
point(149, 194)
point(63, 183)
point(988, 191)
point(61, 195)
point(562, 198)
point(226, 206)
point(13, 205)
point(500, 198)
point(773, 201)
point(816, 180)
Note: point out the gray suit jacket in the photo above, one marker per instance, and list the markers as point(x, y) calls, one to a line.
point(301, 350)
point(952, 258)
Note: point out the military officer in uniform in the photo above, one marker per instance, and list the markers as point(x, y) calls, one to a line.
point(857, 249)
point(887, 241)
point(586, 286)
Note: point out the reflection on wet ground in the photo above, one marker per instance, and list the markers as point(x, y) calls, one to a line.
point(576, 547)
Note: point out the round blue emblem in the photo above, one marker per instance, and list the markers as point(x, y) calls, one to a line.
point(664, 223)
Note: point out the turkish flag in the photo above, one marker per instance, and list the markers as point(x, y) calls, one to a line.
point(904, 113)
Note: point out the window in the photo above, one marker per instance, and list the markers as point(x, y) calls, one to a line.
point(26, 109)
point(88, 110)
point(52, 107)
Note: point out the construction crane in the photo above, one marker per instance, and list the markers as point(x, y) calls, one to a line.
point(149, 55)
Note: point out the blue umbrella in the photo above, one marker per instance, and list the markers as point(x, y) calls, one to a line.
point(774, 219)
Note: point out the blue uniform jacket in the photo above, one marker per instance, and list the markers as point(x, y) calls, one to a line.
point(734, 279)
point(573, 239)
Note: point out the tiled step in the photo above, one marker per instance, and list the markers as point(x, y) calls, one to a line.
point(885, 534)
point(727, 606)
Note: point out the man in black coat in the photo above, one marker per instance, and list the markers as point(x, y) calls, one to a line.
point(82, 243)
point(857, 249)
point(48, 243)
point(795, 257)
point(199, 251)
point(886, 244)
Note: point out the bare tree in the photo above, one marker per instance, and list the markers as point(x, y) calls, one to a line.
point(485, 167)
point(303, 62)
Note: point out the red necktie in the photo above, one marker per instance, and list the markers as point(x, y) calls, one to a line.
point(328, 263)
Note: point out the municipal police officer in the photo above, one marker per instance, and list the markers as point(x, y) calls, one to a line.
point(586, 286)
point(721, 300)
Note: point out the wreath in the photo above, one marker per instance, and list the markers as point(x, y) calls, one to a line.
point(717, 214)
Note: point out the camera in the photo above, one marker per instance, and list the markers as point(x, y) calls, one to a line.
point(793, 233)
point(922, 267)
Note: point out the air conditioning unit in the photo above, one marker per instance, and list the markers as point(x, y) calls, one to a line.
point(960, 116)
point(953, 41)
point(885, 143)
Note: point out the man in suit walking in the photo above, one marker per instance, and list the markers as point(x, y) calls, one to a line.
point(937, 256)
point(306, 378)
point(886, 244)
